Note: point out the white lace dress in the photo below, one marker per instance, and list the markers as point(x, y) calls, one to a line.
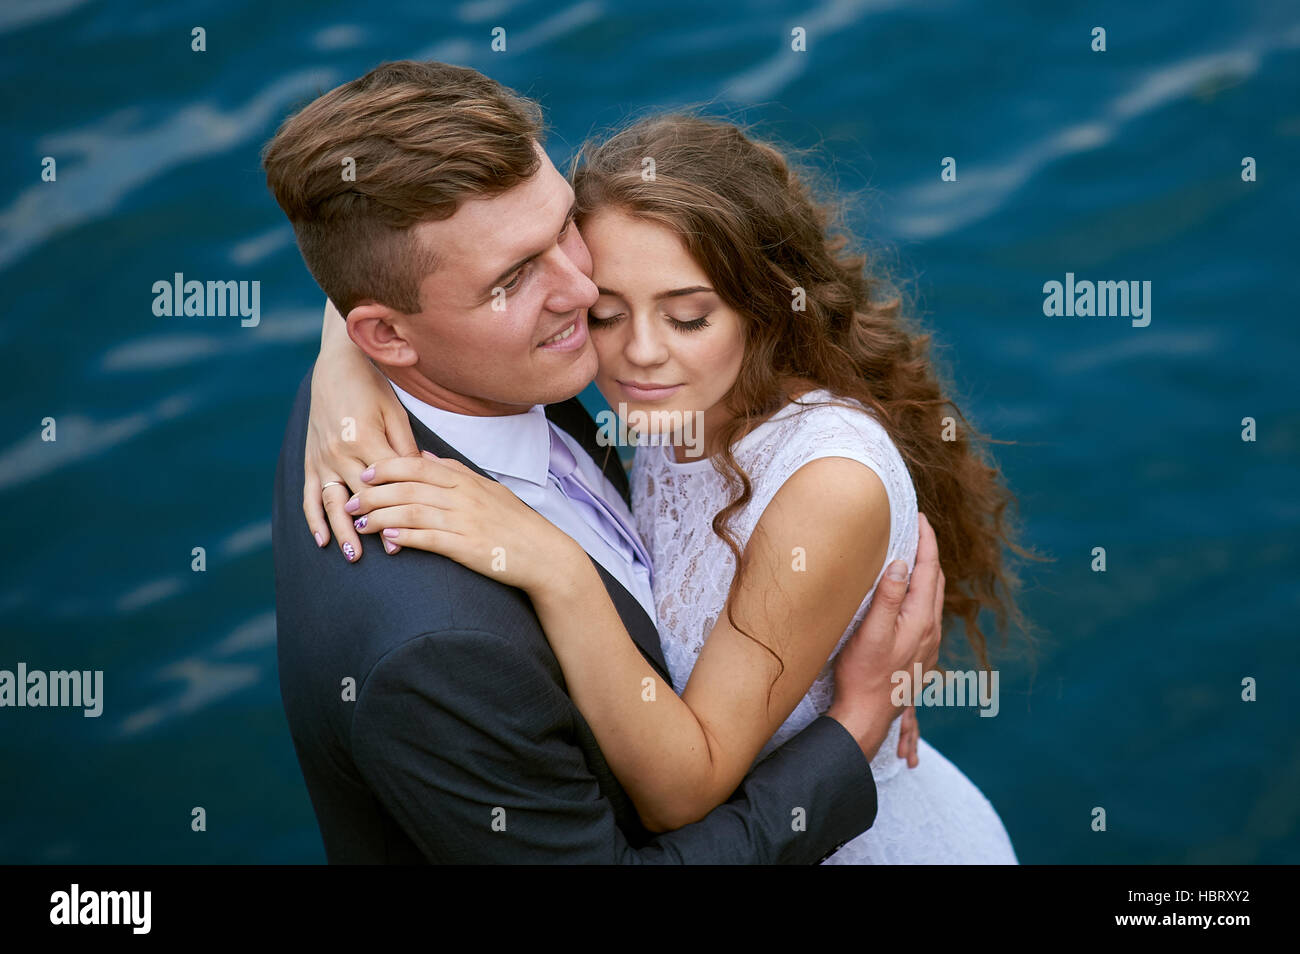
point(932, 814)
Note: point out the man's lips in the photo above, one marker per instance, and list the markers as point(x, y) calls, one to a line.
point(569, 338)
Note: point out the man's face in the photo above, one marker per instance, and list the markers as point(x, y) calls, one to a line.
point(512, 274)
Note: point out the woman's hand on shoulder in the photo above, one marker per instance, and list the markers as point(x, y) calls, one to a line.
point(442, 506)
point(355, 420)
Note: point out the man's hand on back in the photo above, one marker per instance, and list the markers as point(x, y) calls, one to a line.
point(902, 628)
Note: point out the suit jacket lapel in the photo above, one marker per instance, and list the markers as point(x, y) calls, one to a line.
point(639, 625)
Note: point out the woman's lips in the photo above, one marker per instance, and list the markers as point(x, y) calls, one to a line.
point(644, 391)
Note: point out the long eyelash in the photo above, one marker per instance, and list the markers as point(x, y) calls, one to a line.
point(699, 324)
point(686, 327)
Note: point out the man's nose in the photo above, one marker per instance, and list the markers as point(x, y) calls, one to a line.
point(573, 288)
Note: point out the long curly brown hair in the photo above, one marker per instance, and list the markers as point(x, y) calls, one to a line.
point(751, 221)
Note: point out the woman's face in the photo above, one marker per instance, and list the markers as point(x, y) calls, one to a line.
point(665, 340)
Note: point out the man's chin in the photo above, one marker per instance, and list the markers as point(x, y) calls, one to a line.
point(569, 381)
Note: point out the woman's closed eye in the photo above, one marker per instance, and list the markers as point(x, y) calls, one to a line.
point(681, 324)
point(691, 324)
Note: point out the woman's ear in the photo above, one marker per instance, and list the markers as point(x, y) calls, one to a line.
point(373, 328)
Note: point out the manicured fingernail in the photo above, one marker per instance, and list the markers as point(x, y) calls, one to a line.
point(897, 570)
point(350, 552)
point(320, 541)
point(427, 454)
point(353, 505)
point(367, 473)
point(390, 547)
point(360, 523)
point(391, 533)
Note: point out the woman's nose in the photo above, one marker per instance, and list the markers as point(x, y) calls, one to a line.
point(644, 346)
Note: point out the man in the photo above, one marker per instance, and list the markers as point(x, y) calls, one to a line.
point(428, 712)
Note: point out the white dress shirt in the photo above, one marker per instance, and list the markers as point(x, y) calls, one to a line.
point(516, 450)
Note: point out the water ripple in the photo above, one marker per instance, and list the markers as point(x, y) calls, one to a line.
point(245, 540)
point(80, 437)
point(480, 10)
point(203, 684)
point(170, 349)
point(343, 36)
point(261, 246)
point(1169, 345)
point(15, 14)
point(207, 677)
point(936, 208)
point(766, 79)
point(114, 161)
point(553, 27)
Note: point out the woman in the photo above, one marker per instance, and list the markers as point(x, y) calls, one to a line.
point(725, 298)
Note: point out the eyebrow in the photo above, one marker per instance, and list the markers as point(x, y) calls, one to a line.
point(500, 279)
point(674, 293)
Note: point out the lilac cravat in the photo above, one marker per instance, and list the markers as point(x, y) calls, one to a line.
point(612, 528)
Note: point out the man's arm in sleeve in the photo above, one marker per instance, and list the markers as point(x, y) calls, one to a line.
point(469, 745)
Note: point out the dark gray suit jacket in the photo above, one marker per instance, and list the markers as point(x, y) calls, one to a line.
point(462, 745)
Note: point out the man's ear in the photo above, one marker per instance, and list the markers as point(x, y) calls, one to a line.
point(374, 329)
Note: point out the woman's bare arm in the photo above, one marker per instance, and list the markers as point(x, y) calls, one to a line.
point(678, 758)
point(355, 420)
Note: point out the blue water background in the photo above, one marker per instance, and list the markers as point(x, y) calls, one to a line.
point(1120, 165)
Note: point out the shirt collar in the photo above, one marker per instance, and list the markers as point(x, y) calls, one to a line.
point(512, 445)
